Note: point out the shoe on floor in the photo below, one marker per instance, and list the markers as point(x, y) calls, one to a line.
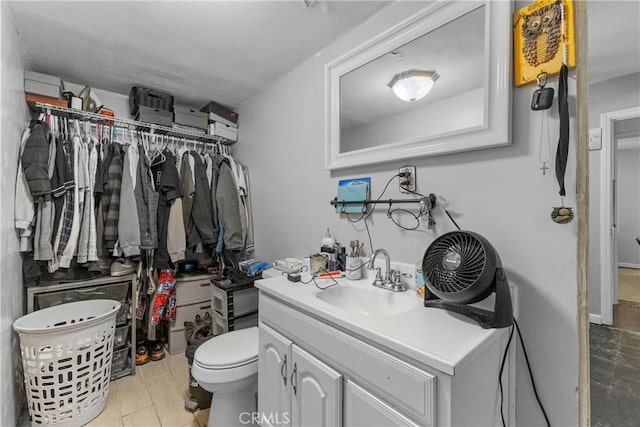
point(157, 351)
point(122, 266)
point(142, 354)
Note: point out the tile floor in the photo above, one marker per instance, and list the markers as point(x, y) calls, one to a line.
point(153, 397)
point(629, 284)
point(615, 369)
point(626, 314)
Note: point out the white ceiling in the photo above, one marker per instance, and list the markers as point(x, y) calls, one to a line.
point(613, 39)
point(229, 50)
point(225, 51)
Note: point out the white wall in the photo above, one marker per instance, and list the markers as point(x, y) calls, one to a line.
point(463, 111)
point(14, 119)
point(628, 157)
point(499, 193)
point(606, 96)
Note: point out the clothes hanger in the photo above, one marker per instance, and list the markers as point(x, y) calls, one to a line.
point(158, 157)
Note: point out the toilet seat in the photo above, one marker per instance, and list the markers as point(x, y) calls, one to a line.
point(231, 350)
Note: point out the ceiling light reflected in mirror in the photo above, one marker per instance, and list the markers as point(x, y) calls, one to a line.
point(413, 85)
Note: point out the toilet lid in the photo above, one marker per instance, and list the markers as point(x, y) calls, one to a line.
point(235, 348)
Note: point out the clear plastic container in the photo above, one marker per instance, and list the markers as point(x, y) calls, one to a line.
point(419, 277)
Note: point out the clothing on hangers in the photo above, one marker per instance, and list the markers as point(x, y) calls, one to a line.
point(111, 198)
point(168, 185)
point(129, 230)
point(202, 225)
point(146, 202)
point(24, 208)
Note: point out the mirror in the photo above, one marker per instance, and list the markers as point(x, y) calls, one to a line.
point(466, 49)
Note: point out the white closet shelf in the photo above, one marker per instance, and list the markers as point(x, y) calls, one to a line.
point(128, 123)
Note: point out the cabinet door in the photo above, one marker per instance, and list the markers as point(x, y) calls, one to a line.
point(361, 408)
point(317, 391)
point(274, 378)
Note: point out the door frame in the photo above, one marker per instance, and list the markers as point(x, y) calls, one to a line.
point(608, 271)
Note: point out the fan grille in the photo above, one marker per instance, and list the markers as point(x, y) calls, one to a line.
point(454, 262)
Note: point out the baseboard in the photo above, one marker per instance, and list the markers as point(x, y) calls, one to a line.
point(628, 265)
point(595, 318)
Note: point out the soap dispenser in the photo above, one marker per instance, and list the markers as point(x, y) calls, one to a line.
point(328, 241)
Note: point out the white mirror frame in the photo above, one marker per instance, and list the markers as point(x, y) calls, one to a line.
point(496, 130)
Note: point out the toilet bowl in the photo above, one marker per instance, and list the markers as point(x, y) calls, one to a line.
point(227, 366)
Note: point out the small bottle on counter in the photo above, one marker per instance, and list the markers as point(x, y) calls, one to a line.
point(327, 240)
point(419, 278)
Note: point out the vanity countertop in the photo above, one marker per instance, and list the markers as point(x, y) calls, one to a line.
point(434, 337)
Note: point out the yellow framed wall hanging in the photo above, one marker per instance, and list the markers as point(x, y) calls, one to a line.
point(538, 36)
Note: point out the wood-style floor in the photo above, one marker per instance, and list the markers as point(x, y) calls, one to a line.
point(629, 284)
point(615, 359)
point(153, 397)
point(626, 314)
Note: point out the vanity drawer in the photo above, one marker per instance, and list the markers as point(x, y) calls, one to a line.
point(396, 381)
point(191, 291)
point(365, 409)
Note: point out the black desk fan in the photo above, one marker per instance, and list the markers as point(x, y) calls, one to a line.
point(461, 268)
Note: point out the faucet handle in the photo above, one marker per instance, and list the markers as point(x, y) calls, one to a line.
point(396, 280)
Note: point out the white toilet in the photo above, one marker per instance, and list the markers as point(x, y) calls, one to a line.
point(227, 366)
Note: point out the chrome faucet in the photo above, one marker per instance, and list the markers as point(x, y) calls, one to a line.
point(392, 280)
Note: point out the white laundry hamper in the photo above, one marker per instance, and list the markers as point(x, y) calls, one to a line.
point(66, 357)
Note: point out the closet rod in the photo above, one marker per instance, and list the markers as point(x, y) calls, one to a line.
point(128, 123)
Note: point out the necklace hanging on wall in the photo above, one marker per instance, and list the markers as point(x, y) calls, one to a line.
point(542, 101)
point(562, 214)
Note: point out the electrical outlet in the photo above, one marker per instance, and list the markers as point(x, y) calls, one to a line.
point(407, 179)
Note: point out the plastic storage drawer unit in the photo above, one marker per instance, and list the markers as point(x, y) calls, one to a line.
point(121, 335)
point(117, 292)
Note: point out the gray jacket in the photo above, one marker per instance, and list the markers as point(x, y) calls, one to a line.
point(229, 209)
point(147, 203)
point(129, 224)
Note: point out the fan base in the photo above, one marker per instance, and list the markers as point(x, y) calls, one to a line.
point(500, 317)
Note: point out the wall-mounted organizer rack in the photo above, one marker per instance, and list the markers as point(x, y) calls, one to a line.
point(128, 123)
point(121, 289)
point(427, 200)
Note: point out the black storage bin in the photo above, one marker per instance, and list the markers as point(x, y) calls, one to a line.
point(155, 116)
point(140, 96)
point(223, 112)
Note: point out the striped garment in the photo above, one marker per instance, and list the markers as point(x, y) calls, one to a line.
point(69, 184)
point(111, 199)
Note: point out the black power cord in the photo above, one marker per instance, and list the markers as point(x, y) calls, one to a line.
point(366, 216)
point(504, 359)
point(526, 358)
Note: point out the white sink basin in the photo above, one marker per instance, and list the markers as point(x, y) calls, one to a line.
point(370, 302)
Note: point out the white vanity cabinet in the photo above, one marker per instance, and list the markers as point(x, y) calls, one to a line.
point(295, 388)
point(320, 367)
